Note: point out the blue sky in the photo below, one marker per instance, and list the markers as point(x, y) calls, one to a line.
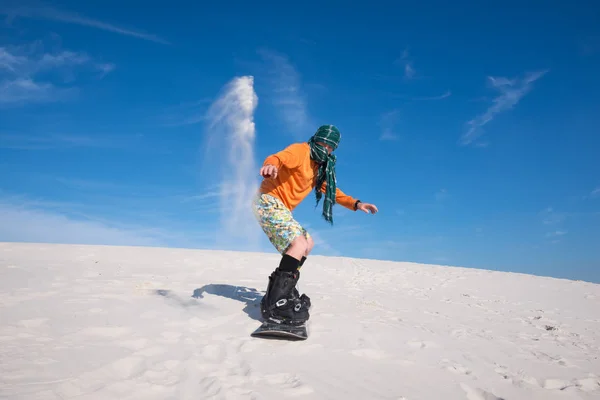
point(473, 128)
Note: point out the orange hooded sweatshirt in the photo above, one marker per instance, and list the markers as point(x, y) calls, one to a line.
point(296, 177)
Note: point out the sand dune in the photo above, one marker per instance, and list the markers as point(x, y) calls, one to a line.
point(93, 322)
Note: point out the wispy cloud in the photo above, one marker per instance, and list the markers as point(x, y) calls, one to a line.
point(511, 91)
point(27, 223)
point(53, 14)
point(28, 74)
point(556, 233)
point(595, 193)
point(555, 236)
point(61, 141)
point(441, 195)
point(406, 63)
point(400, 248)
point(103, 212)
point(231, 130)
point(186, 113)
point(554, 220)
point(551, 217)
point(211, 192)
point(287, 92)
point(409, 98)
point(21, 91)
point(442, 96)
point(388, 124)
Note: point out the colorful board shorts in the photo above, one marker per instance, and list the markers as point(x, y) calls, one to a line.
point(277, 221)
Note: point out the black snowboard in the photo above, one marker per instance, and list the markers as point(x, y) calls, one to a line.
point(281, 331)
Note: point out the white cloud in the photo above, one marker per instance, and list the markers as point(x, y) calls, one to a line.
point(52, 14)
point(551, 217)
point(96, 221)
point(409, 71)
point(229, 155)
point(9, 61)
point(387, 123)
point(186, 113)
point(407, 63)
point(62, 141)
point(442, 96)
point(288, 95)
point(556, 233)
point(441, 194)
point(511, 92)
point(595, 192)
point(21, 67)
point(25, 90)
point(25, 224)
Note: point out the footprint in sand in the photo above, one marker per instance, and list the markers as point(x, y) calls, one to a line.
point(172, 364)
point(152, 351)
point(519, 379)
point(248, 346)
point(161, 378)
point(556, 384)
point(33, 323)
point(128, 367)
point(106, 331)
point(459, 369)
point(478, 394)
point(589, 384)
point(171, 337)
point(213, 353)
point(372, 354)
point(421, 345)
point(134, 344)
point(455, 367)
point(290, 384)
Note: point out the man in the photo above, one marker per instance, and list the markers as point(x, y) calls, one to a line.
point(289, 176)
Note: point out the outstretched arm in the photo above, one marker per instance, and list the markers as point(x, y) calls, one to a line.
point(350, 202)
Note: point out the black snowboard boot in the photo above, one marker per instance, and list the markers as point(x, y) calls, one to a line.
point(304, 298)
point(281, 303)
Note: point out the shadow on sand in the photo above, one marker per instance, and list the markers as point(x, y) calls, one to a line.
point(251, 297)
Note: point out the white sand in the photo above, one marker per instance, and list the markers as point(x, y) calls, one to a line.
point(90, 322)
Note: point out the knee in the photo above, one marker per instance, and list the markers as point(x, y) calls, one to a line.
point(300, 244)
point(309, 245)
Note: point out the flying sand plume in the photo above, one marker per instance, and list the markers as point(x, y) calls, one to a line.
point(230, 138)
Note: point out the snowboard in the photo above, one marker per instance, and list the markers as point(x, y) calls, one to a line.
point(281, 331)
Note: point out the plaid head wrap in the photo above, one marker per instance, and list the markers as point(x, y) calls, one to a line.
point(329, 135)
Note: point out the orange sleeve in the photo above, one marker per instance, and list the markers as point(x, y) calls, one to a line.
point(341, 198)
point(291, 157)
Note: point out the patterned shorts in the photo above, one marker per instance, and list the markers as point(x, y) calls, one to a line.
point(277, 221)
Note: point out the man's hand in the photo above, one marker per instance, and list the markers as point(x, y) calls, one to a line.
point(366, 207)
point(269, 171)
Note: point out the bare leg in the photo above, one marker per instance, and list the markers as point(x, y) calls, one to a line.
point(310, 244)
point(298, 248)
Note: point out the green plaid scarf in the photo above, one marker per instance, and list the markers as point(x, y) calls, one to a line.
point(329, 135)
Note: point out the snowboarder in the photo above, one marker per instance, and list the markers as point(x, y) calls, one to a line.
point(289, 176)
